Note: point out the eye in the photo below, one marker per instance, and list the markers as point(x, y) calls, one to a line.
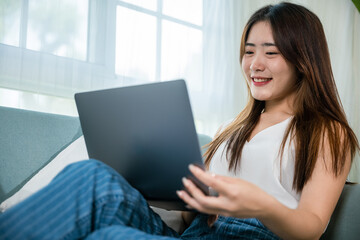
point(249, 52)
point(272, 53)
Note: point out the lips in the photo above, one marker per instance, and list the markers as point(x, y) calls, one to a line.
point(260, 81)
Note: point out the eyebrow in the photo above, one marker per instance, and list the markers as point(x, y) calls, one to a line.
point(263, 44)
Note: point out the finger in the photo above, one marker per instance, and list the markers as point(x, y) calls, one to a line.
point(193, 203)
point(216, 182)
point(206, 202)
point(194, 191)
point(231, 180)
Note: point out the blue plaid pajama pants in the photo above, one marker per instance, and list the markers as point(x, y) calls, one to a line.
point(89, 200)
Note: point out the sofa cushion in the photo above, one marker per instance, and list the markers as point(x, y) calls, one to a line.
point(29, 140)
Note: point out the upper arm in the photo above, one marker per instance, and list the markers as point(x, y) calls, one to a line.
point(322, 191)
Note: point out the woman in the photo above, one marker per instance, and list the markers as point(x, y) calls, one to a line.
point(278, 168)
point(285, 59)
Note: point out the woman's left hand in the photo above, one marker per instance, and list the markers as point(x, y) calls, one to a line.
point(236, 197)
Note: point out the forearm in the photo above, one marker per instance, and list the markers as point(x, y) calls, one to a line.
point(291, 223)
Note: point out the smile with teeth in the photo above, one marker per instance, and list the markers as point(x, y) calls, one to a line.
point(261, 79)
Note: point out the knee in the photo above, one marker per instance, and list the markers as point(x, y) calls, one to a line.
point(93, 169)
point(88, 163)
point(90, 166)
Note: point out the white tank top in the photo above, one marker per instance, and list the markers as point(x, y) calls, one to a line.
point(260, 164)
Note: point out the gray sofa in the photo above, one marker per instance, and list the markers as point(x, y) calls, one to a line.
point(30, 140)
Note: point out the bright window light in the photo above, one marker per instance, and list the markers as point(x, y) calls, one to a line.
point(181, 54)
point(149, 4)
point(135, 44)
point(58, 27)
point(10, 15)
point(187, 10)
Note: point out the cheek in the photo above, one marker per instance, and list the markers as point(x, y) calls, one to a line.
point(244, 64)
point(280, 66)
point(277, 67)
point(246, 73)
point(245, 68)
point(281, 70)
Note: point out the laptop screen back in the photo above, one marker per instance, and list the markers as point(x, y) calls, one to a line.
point(145, 132)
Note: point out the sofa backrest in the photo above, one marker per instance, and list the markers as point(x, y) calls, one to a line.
point(29, 140)
point(345, 221)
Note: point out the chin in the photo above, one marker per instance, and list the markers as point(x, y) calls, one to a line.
point(260, 97)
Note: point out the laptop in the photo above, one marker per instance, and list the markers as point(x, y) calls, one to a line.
point(146, 133)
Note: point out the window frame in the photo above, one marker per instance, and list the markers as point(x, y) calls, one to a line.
point(160, 16)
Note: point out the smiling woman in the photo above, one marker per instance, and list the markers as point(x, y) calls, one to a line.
point(286, 62)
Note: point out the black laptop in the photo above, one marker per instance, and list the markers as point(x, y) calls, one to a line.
point(146, 133)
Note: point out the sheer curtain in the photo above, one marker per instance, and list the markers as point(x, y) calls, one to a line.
point(224, 87)
point(216, 85)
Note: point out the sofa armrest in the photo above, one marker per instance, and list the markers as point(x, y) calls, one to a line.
point(29, 140)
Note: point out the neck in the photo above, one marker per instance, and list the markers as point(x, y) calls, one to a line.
point(283, 106)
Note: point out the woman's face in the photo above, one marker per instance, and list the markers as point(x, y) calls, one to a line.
point(269, 76)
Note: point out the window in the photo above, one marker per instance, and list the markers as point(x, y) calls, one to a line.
point(10, 22)
point(159, 40)
point(56, 27)
point(135, 44)
point(58, 48)
point(118, 42)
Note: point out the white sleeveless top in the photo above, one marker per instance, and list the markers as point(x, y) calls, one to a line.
point(260, 164)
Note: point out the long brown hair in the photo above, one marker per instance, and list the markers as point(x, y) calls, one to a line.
point(318, 112)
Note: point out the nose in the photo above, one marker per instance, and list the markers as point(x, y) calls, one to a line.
point(257, 64)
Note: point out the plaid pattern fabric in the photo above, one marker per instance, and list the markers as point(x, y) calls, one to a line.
point(90, 200)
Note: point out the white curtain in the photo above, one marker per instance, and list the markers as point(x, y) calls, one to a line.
point(224, 88)
point(223, 93)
